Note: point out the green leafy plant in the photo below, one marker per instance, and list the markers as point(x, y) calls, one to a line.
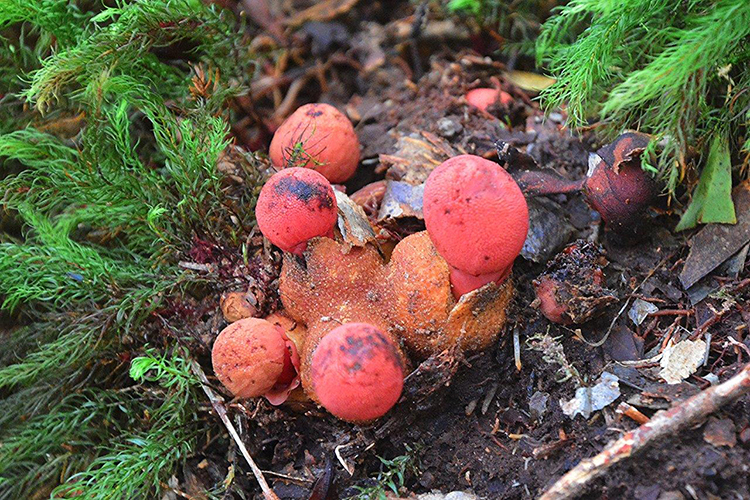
point(392, 476)
point(677, 70)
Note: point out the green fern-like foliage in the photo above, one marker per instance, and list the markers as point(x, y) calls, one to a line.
point(677, 70)
point(134, 463)
point(95, 218)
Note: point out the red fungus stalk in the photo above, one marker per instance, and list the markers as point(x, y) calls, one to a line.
point(484, 98)
point(295, 205)
point(253, 357)
point(357, 373)
point(616, 185)
point(320, 137)
point(477, 218)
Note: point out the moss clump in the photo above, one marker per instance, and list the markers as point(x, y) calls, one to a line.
point(112, 120)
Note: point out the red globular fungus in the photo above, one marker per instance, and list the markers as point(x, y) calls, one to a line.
point(296, 204)
point(320, 137)
point(253, 357)
point(484, 98)
point(617, 186)
point(572, 288)
point(477, 217)
point(357, 372)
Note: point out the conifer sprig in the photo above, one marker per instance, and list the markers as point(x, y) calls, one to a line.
point(677, 70)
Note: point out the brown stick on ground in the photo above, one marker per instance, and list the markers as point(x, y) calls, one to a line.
point(664, 423)
point(218, 404)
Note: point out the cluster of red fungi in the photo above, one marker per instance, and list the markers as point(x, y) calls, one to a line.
point(350, 314)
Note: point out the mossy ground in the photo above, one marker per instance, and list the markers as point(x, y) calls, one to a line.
point(128, 209)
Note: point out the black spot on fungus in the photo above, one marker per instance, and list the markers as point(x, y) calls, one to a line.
point(305, 191)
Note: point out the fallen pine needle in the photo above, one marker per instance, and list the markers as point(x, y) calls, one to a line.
point(662, 424)
point(517, 349)
point(218, 404)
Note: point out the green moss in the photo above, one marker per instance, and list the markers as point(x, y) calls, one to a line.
point(106, 210)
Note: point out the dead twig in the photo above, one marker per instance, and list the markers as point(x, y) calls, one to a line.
point(664, 423)
point(218, 404)
point(671, 312)
point(703, 327)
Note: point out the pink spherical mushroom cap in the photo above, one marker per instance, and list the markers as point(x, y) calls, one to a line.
point(483, 98)
point(357, 372)
point(327, 137)
point(295, 205)
point(252, 357)
point(477, 217)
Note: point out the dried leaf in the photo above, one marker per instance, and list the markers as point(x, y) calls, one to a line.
point(416, 155)
point(712, 199)
point(640, 310)
point(622, 345)
point(353, 224)
point(715, 243)
point(401, 199)
point(549, 230)
point(321, 11)
point(681, 360)
point(322, 489)
point(720, 432)
point(526, 80)
point(590, 399)
point(453, 495)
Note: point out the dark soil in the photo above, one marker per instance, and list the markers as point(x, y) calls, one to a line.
point(477, 432)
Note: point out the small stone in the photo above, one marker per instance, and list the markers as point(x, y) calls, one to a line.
point(449, 128)
point(427, 479)
point(538, 404)
point(711, 377)
point(720, 432)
